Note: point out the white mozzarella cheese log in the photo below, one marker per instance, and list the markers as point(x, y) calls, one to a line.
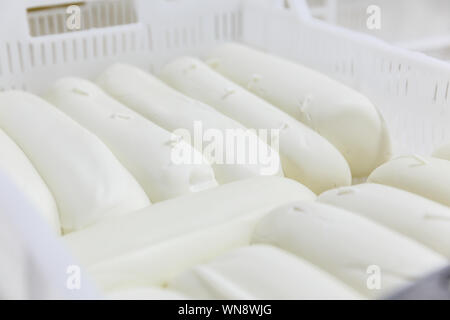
point(143, 147)
point(414, 216)
point(349, 246)
point(176, 112)
point(15, 164)
point(443, 152)
point(151, 293)
point(425, 176)
point(150, 246)
point(260, 272)
point(86, 180)
point(305, 155)
point(340, 114)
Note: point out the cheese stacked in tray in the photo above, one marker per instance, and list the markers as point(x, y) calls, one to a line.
point(118, 168)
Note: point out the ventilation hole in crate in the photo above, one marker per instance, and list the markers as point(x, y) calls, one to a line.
point(233, 25)
point(168, 46)
point(149, 38)
point(40, 27)
point(176, 38)
point(184, 37)
point(216, 27)
point(74, 50)
point(114, 44)
point(133, 41)
point(129, 13)
point(8, 53)
point(20, 56)
point(85, 49)
point(119, 17)
point(109, 14)
point(43, 59)
point(54, 58)
point(239, 24)
point(390, 67)
point(104, 14)
point(51, 25)
point(435, 93)
point(86, 21)
point(406, 87)
point(64, 51)
point(94, 47)
point(446, 91)
point(200, 30)
point(124, 42)
point(193, 36)
point(81, 15)
point(105, 46)
point(60, 23)
point(225, 26)
point(33, 23)
point(95, 17)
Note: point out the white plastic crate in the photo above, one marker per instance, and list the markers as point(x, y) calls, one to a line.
point(411, 89)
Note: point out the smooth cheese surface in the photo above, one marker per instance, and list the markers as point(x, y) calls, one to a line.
point(150, 246)
point(414, 216)
point(260, 272)
point(348, 246)
point(176, 112)
point(443, 152)
point(143, 147)
point(15, 164)
point(86, 180)
point(425, 176)
point(305, 155)
point(337, 112)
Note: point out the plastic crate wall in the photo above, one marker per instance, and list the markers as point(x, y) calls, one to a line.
point(410, 88)
point(32, 57)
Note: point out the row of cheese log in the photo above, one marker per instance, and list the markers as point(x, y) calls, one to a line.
point(86, 148)
point(110, 156)
point(269, 238)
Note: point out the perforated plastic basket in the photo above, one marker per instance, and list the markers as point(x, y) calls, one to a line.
point(36, 48)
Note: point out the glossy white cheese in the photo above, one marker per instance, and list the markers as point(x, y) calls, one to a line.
point(305, 155)
point(414, 216)
point(150, 246)
point(367, 256)
point(174, 111)
point(260, 272)
point(15, 164)
point(342, 115)
point(425, 176)
point(143, 147)
point(86, 180)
